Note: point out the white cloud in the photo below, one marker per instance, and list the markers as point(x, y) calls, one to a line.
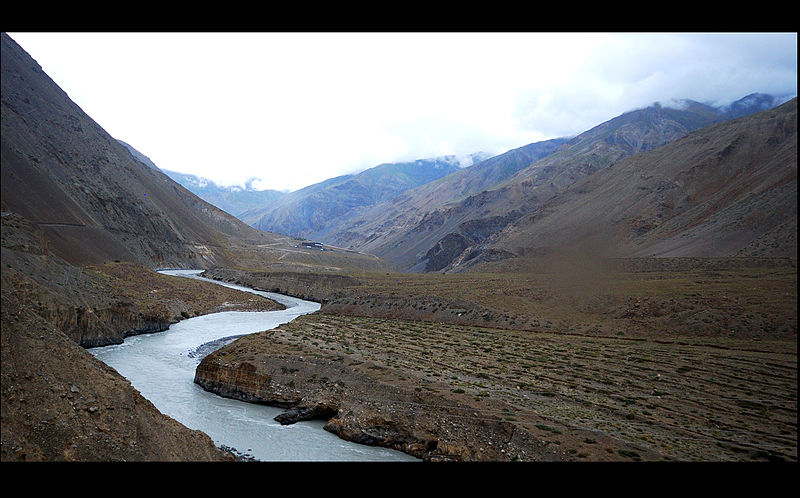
point(297, 108)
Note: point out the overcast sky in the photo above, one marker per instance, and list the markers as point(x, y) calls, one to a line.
point(297, 108)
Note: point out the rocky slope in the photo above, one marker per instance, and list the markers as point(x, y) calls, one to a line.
point(94, 200)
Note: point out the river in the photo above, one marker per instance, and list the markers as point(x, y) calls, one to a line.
point(162, 366)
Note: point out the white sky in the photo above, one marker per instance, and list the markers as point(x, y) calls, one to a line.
point(297, 108)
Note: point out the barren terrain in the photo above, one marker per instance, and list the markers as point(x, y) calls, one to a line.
point(684, 359)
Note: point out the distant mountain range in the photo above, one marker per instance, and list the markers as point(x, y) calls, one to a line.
point(319, 209)
point(304, 211)
point(231, 199)
point(460, 216)
point(437, 215)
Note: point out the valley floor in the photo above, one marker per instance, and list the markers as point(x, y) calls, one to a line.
point(591, 398)
point(668, 360)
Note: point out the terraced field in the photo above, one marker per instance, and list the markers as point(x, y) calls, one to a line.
point(686, 400)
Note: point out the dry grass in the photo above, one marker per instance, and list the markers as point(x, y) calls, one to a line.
point(688, 401)
point(693, 299)
point(154, 292)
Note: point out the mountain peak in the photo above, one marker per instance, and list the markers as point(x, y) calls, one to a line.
point(751, 103)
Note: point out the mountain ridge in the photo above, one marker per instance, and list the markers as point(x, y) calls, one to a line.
point(309, 212)
point(405, 236)
point(728, 189)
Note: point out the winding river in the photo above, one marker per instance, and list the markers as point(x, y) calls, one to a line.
point(161, 366)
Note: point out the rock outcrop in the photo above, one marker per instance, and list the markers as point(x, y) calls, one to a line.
point(92, 328)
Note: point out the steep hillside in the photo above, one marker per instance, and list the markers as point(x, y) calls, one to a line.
point(428, 238)
point(62, 171)
point(729, 189)
point(320, 209)
point(95, 202)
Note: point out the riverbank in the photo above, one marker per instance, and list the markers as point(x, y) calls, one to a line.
point(479, 394)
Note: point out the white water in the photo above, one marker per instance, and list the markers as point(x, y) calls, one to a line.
point(162, 366)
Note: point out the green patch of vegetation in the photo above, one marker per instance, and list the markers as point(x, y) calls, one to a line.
point(548, 428)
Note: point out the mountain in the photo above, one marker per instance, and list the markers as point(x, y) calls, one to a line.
point(752, 103)
point(728, 189)
point(319, 209)
point(231, 199)
point(95, 202)
point(415, 233)
point(89, 195)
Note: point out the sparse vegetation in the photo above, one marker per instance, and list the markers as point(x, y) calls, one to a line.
point(627, 362)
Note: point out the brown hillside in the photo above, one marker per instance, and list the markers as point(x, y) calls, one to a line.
point(726, 190)
point(96, 203)
point(414, 231)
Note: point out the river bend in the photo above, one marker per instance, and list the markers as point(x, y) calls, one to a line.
point(161, 367)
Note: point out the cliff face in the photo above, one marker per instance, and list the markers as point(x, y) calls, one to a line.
point(242, 382)
point(90, 328)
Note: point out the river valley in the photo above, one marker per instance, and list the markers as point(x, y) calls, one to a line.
point(162, 367)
